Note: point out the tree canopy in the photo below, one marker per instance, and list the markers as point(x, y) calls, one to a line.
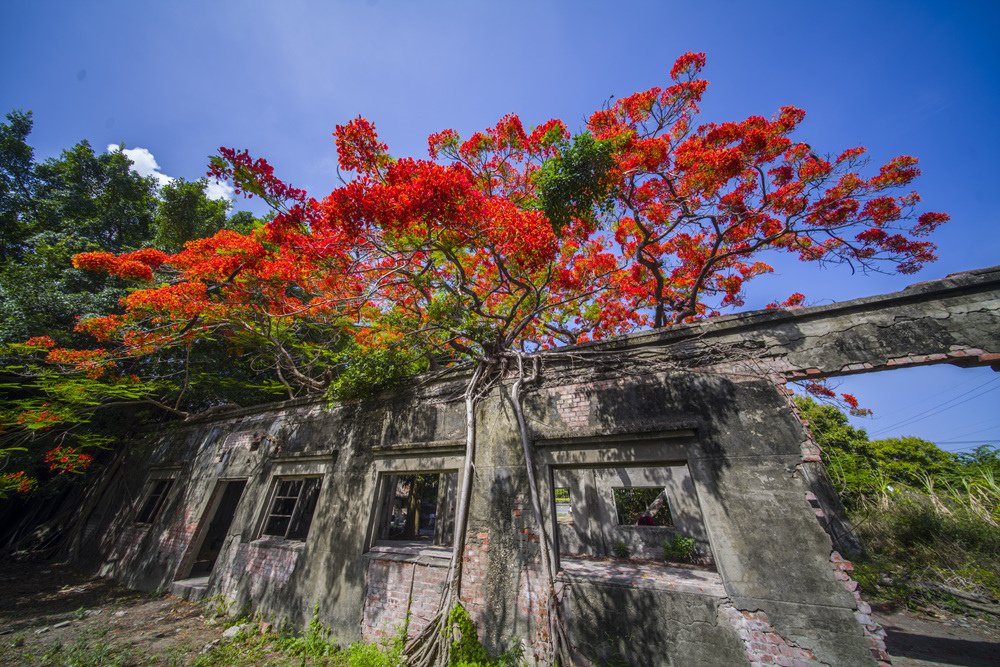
point(500, 244)
point(864, 468)
point(80, 201)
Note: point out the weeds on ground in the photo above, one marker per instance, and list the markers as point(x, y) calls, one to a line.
point(936, 547)
point(90, 649)
point(316, 646)
point(929, 519)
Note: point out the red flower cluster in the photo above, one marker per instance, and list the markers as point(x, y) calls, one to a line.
point(67, 459)
point(253, 177)
point(42, 342)
point(101, 328)
point(40, 419)
point(358, 147)
point(847, 400)
point(130, 266)
point(18, 482)
point(93, 362)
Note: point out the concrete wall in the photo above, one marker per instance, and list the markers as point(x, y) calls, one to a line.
point(707, 399)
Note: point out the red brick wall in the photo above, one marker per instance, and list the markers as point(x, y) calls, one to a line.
point(397, 587)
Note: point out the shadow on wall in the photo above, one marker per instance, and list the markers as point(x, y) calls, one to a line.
point(630, 627)
point(602, 411)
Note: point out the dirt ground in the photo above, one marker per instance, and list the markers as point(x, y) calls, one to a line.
point(941, 639)
point(53, 615)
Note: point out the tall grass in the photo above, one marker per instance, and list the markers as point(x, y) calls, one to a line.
point(938, 543)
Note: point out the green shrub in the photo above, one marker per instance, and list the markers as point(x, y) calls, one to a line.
point(466, 649)
point(315, 642)
point(679, 549)
point(360, 654)
point(621, 550)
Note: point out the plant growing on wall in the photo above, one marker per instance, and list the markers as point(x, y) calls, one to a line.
point(679, 549)
point(498, 249)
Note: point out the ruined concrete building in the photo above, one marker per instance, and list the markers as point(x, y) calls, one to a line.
point(687, 431)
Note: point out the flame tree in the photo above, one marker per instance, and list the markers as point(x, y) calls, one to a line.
point(491, 249)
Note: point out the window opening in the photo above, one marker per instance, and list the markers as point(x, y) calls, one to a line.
point(642, 506)
point(292, 507)
point(156, 496)
point(564, 504)
point(419, 508)
point(646, 513)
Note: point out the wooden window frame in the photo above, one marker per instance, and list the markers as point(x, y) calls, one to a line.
point(157, 508)
point(273, 497)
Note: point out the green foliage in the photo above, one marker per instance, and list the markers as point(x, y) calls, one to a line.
point(185, 213)
point(96, 197)
point(244, 649)
point(315, 642)
point(77, 202)
point(918, 546)
point(679, 549)
point(315, 646)
point(243, 222)
point(575, 183)
point(929, 520)
point(16, 182)
point(620, 550)
point(861, 467)
point(360, 654)
point(466, 649)
point(367, 372)
point(983, 459)
point(83, 201)
point(631, 503)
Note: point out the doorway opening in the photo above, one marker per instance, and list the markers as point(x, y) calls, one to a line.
point(193, 574)
point(227, 499)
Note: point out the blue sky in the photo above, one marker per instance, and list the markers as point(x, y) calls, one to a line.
point(182, 78)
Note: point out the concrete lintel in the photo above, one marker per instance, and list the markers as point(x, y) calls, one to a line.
point(434, 447)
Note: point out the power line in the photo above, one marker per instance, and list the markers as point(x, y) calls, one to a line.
point(975, 425)
point(943, 407)
point(975, 431)
point(986, 441)
point(919, 403)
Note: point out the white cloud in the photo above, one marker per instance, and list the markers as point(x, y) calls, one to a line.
point(144, 164)
point(219, 190)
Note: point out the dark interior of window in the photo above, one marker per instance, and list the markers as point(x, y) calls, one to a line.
point(642, 506)
point(156, 495)
point(419, 508)
point(292, 507)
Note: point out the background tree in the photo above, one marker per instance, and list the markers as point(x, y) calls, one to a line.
point(50, 211)
point(17, 182)
point(928, 520)
point(185, 213)
point(861, 467)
